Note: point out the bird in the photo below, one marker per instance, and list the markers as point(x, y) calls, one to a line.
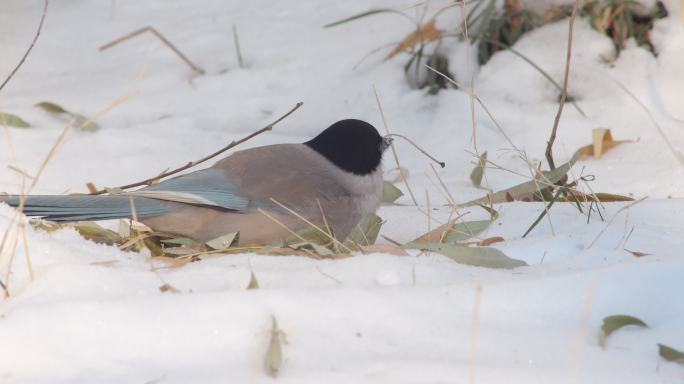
point(263, 193)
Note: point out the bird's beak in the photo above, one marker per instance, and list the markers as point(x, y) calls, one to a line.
point(386, 142)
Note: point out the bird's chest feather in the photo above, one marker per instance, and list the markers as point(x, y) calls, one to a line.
point(366, 190)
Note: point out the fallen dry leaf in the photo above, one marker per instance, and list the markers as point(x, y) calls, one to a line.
point(602, 142)
point(426, 32)
point(166, 287)
point(637, 253)
point(489, 241)
point(600, 196)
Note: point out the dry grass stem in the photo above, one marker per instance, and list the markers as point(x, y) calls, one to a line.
point(338, 281)
point(236, 41)
point(484, 107)
point(564, 94)
point(439, 189)
point(22, 199)
point(297, 215)
point(610, 221)
point(424, 152)
point(191, 164)
point(325, 221)
point(30, 48)
point(161, 37)
point(677, 154)
point(29, 264)
point(427, 205)
point(394, 149)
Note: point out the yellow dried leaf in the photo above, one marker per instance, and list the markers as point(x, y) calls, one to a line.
point(426, 32)
point(637, 253)
point(602, 141)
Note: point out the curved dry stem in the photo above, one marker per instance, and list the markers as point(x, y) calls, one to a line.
point(441, 163)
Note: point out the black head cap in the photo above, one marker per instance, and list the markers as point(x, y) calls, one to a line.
point(353, 145)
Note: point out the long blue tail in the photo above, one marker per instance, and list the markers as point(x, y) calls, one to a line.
point(87, 207)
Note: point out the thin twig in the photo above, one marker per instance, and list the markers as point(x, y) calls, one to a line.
point(677, 154)
point(22, 198)
point(628, 206)
point(196, 162)
point(439, 189)
point(427, 204)
point(161, 37)
point(29, 264)
point(471, 87)
point(35, 38)
point(394, 150)
point(424, 152)
point(338, 281)
point(564, 94)
point(236, 41)
point(484, 107)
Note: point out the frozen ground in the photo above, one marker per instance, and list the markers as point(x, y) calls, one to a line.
point(95, 314)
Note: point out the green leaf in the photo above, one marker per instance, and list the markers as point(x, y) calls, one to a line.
point(477, 257)
point(365, 232)
point(362, 15)
point(92, 231)
point(51, 107)
point(453, 232)
point(526, 190)
point(309, 235)
point(274, 354)
point(477, 173)
point(153, 244)
point(223, 242)
point(390, 193)
point(81, 122)
point(184, 241)
point(13, 120)
point(671, 354)
point(615, 322)
point(465, 230)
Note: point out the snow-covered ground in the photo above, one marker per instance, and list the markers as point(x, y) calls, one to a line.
point(96, 314)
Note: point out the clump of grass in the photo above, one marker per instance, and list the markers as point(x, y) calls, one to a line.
point(422, 45)
point(619, 19)
point(625, 19)
point(504, 28)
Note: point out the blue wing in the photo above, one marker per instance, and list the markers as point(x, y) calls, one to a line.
point(208, 187)
point(205, 187)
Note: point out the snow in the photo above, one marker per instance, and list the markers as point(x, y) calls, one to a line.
point(96, 314)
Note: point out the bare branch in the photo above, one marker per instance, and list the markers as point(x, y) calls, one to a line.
point(238, 52)
point(564, 94)
point(394, 150)
point(208, 157)
point(35, 38)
